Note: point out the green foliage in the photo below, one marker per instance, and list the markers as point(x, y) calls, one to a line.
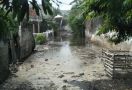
point(53, 24)
point(50, 23)
point(117, 16)
point(76, 21)
point(40, 38)
point(56, 11)
point(20, 8)
point(7, 24)
point(11, 10)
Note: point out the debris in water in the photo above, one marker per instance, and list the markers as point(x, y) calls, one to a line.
point(57, 64)
point(64, 87)
point(46, 59)
point(52, 84)
point(81, 74)
point(69, 73)
point(32, 66)
point(65, 81)
point(85, 63)
point(74, 76)
point(61, 76)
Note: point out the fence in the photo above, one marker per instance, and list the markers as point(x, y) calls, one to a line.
point(118, 64)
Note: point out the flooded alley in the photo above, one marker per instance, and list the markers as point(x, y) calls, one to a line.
point(66, 45)
point(62, 66)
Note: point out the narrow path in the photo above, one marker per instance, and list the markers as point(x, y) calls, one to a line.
point(60, 66)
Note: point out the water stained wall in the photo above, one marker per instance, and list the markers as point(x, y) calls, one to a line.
point(15, 49)
point(4, 60)
point(91, 26)
point(26, 41)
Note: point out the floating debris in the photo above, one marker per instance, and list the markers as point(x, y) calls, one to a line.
point(65, 81)
point(32, 66)
point(61, 76)
point(46, 59)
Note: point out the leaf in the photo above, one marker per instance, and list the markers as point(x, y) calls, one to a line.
point(5, 3)
point(44, 6)
point(8, 11)
point(50, 11)
point(15, 7)
point(74, 1)
point(47, 7)
point(35, 6)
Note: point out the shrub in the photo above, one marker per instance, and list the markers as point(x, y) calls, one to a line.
point(40, 38)
point(7, 25)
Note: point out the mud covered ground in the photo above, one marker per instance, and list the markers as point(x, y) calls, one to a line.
point(59, 66)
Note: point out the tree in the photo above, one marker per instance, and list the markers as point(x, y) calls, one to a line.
point(76, 21)
point(12, 12)
point(20, 8)
point(117, 15)
point(7, 24)
point(56, 11)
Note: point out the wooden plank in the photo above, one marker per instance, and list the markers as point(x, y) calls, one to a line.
point(120, 59)
point(123, 67)
point(110, 68)
point(109, 73)
point(129, 66)
point(118, 51)
point(110, 54)
point(104, 57)
point(119, 62)
point(109, 61)
point(118, 55)
point(110, 65)
point(119, 67)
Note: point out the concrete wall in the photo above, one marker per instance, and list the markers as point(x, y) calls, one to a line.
point(4, 58)
point(26, 42)
point(91, 26)
point(90, 31)
point(15, 49)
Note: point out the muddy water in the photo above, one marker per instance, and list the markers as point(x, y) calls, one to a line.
point(60, 66)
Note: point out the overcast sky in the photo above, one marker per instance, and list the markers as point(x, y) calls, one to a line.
point(63, 6)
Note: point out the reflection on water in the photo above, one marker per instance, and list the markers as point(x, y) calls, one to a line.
point(63, 52)
point(69, 53)
point(63, 66)
point(76, 41)
point(59, 64)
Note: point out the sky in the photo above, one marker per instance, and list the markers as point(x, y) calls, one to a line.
point(63, 6)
